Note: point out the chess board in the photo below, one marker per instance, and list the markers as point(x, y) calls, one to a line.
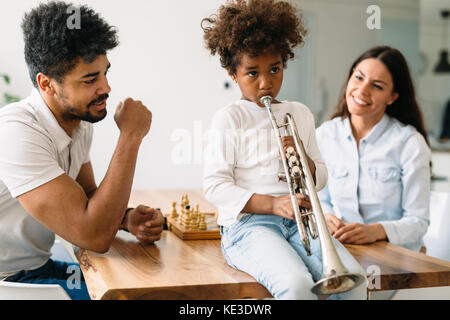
point(212, 230)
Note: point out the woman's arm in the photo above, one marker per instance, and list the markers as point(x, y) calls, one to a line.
point(415, 160)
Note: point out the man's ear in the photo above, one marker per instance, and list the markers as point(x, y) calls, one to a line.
point(45, 84)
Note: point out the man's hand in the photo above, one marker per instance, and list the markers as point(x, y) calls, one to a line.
point(133, 118)
point(145, 223)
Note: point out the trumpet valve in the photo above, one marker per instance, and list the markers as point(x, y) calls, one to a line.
point(282, 177)
point(293, 161)
point(290, 151)
point(295, 172)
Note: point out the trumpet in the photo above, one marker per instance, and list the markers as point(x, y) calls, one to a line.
point(335, 277)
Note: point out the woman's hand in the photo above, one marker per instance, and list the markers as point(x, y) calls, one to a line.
point(282, 206)
point(357, 233)
point(334, 223)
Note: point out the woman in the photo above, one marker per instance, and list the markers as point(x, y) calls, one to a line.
point(376, 150)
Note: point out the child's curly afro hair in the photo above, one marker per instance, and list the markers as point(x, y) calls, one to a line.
point(253, 27)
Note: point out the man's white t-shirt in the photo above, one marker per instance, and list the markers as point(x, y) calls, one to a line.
point(242, 155)
point(34, 150)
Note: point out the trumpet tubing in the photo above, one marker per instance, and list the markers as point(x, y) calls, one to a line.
point(297, 174)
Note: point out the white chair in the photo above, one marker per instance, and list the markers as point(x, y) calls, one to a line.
point(437, 243)
point(26, 291)
point(437, 238)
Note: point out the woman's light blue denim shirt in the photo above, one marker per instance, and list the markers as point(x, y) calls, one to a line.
point(386, 180)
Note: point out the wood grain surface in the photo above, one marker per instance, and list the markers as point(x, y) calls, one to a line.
point(401, 268)
point(195, 269)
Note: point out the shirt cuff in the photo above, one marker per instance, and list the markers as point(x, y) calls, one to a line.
point(391, 232)
point(237, 210)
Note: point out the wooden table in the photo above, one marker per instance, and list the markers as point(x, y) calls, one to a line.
point(195, 269)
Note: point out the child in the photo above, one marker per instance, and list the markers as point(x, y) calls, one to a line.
point(259, 234)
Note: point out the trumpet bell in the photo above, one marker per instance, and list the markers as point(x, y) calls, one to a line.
point(337, 283)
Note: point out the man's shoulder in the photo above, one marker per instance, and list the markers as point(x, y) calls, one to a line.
point(18, 114)
point(17, 110)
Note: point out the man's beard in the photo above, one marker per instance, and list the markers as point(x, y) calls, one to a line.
point(74, 114)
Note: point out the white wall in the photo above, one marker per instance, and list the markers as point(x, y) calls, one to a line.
point(162, 61)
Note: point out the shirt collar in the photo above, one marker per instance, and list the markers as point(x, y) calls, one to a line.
point(347, 128)
point(253, 106)
point(373, 135)
point(377, 130)
point(49, 122)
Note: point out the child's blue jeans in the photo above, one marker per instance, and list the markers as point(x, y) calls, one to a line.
point(268, 247)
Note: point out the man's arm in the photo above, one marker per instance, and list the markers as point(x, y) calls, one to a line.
point(86, 179)
point(90, 218)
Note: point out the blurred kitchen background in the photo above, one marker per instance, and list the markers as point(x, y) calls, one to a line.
point(162, 61)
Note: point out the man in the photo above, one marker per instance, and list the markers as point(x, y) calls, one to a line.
point(47, 185)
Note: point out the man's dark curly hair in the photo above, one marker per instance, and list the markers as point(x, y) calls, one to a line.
point(52, 48)
point(253, 27)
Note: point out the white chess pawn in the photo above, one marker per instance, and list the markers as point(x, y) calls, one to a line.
point(174, 210)
point(202, 224)
point(183, 201)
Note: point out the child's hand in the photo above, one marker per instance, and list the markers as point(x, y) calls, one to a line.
point(288, 141)
point(282, 205)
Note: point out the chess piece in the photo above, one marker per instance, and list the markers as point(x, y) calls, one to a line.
point(193, 220)
point(175, 214)
point(183, 201)
point(197, 211)
point(202, 224)
point(189, 218)
point(187, 215)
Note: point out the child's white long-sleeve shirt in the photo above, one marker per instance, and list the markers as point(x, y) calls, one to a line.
point(242, 156)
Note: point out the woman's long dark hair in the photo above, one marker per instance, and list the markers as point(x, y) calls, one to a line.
point(405, 108)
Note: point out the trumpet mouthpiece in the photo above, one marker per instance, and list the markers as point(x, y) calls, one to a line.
point(265, 99)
